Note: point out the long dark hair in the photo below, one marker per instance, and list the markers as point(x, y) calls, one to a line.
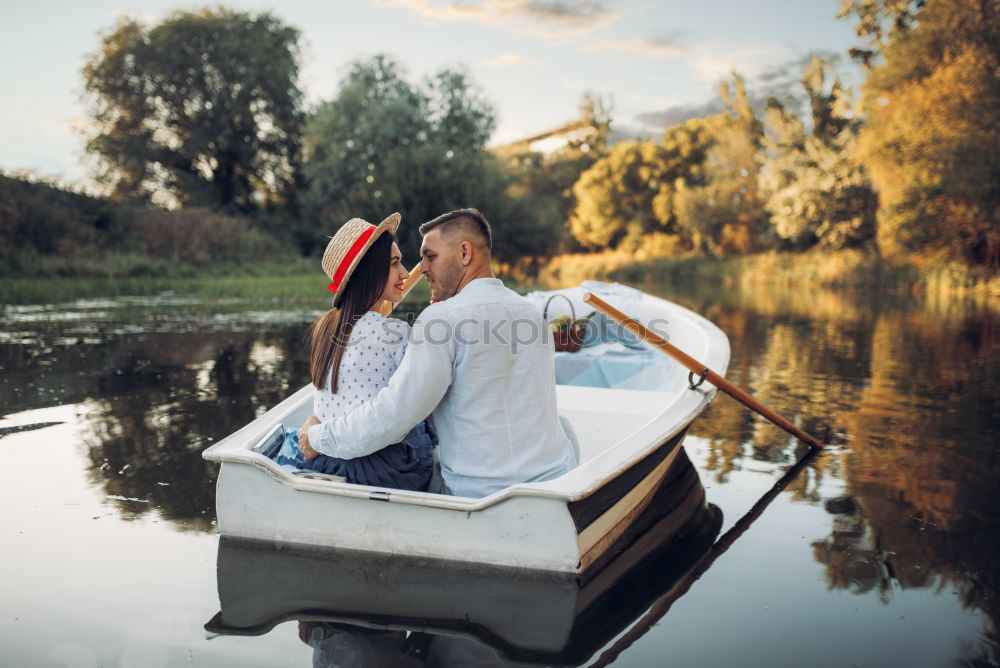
point(332, 330)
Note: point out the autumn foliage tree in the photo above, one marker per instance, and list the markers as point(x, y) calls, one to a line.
point(817, 191)
point(721, 212)
point(933, 126)
point(696, 189)
point(627, 195)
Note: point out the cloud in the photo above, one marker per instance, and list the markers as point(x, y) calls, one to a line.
point(510, 58)
point(781, 81)
point(774, 74)
point(679, 113)
point(553, 19)
point(660, 48)
point(714, 60)
point(791, 71)
point(649, 99)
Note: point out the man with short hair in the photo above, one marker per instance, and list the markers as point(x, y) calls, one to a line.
point(480, 360)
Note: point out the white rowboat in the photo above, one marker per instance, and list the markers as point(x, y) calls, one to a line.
point(630, 407)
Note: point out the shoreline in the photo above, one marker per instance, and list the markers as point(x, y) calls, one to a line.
point(306, 289)
point(840, 270)
point(299, 282)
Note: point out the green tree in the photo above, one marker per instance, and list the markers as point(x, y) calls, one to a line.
point(543, 186)
point(38, 218)
point(816, 190)
point(202, 109)
point(544, 181)
point(933, 127)
point(385, 144)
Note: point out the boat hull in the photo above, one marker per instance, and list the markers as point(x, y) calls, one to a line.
point(522, 531)
point(542, 617)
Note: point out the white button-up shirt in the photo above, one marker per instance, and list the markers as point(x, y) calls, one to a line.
point(482, 363)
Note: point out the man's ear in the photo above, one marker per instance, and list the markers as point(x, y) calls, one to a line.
point(465, 248)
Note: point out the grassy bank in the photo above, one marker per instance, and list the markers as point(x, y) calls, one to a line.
point(300, 281)
point(287, 282)
point(56, 290)
point(851, 269)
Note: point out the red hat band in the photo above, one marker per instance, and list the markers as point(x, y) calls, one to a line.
point(345, 264)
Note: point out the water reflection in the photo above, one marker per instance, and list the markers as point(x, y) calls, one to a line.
point(924, 462)
point(156, 388)
point(357, 608)
point(908, 393)
point(906, 389)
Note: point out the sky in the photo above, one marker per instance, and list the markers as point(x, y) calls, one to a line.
point(533, 59)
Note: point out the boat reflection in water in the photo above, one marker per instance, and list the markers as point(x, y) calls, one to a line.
point(360, 608)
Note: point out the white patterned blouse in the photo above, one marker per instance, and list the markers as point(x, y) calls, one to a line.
point(373, 353)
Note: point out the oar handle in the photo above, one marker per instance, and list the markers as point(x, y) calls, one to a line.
point(696, 367)
point(411, 280)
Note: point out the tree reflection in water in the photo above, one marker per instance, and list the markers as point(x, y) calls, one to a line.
point(905, 389)
point(152, 397)
point(167, 397)
point(910, 391)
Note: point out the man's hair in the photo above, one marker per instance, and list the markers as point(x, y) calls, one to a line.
point(470, 220)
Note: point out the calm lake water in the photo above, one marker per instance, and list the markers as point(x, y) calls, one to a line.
point(884, 551)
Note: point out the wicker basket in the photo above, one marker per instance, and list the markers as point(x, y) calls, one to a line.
point(568, 340)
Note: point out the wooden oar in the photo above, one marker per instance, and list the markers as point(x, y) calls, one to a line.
point(697, 368)
point(411, 280)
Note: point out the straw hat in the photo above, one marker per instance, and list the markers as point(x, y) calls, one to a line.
point(349, 245)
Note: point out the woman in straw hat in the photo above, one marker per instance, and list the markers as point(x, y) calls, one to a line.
point(355, 351)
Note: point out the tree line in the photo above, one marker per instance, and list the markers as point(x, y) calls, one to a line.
point(203, 113)
point(911, 168)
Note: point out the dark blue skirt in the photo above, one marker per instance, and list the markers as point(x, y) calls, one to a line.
point(404, 465)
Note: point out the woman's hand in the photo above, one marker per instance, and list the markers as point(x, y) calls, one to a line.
point(304, 447)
